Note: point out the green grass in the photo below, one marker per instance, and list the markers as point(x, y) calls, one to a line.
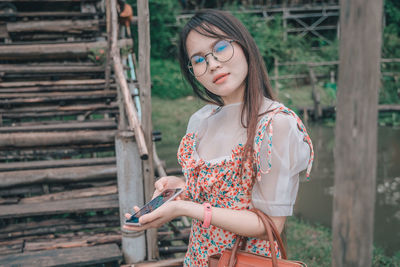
point(171, 118)
point(312, 244)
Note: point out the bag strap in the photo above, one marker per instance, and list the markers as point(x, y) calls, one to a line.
point(268, 222)
point(272, 235)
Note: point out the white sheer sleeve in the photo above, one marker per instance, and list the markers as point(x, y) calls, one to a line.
point(275, 194)
point(196, 120)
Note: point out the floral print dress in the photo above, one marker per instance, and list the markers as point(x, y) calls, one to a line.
point(219, 184)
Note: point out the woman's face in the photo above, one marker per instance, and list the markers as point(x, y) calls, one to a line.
point(225, 79)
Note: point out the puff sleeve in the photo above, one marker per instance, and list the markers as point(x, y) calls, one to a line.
point(275, 193)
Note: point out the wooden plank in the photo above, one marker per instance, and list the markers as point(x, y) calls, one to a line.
point(38, 68)
point(55, 97)
point(389, 108)
point(30, 51)
point(53, 26)
point(65, 257)
point(67, 224)
point(55, 114)
point(14, 140)
point(356, 132)
point(76, 1)
point(67, 126)
point(58, 95)
point(72, 194)
point(60, 226)
point(59, 152)
point(52, 83)
point(59, 207)
point(27, 190)
point(12, 249)
point(85, 240)
point(57, 109)
point(61, 88)
point(50, 14)
point(57, 175)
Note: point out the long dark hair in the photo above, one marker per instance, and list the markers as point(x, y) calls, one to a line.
point(205, 22)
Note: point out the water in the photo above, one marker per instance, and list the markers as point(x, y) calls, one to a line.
point(315, 199)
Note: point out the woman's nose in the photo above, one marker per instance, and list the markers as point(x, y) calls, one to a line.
point(213, 63)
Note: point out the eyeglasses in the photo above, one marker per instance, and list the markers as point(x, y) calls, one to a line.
point(222, 52)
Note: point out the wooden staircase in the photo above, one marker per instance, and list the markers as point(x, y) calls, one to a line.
point(58, 187)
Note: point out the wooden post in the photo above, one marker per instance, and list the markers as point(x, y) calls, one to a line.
point(276, 73)
point(284, 20)
point(356, 132)
point(130, 192)
point(315, 94)
point(108, 55)
point(145, 96)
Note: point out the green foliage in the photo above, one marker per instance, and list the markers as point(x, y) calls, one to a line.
point(167, 79)
point(163, 29)
point(392, 16)
point(389, 119)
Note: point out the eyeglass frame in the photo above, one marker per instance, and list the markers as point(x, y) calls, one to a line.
point(189, 65)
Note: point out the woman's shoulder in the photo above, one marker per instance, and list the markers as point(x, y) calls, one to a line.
point(278, 113)
point(200, 115)
point(203, 112)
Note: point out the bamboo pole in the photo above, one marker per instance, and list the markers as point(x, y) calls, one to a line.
point(108, 55)
point(133, 119)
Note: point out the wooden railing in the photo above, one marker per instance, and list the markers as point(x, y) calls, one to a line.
point(135, 176)
point(128, 105)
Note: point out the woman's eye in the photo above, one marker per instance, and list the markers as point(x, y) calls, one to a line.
point(221, 46)
point(198, 59)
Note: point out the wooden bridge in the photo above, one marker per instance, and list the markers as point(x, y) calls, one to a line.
point(62, 110)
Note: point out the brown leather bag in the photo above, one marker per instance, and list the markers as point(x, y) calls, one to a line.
point(236, 257)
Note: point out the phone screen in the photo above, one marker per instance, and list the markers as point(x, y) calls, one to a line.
point(156, 202)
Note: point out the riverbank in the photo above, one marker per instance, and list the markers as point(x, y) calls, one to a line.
point(309, 242)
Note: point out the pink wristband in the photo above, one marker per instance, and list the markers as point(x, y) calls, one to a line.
point(207, 215)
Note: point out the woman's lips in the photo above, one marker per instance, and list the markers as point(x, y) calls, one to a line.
point(220, 78)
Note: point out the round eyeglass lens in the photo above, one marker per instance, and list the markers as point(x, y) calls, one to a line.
point(198, 65)
point(222, 52)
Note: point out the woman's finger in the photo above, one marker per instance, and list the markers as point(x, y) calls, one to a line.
point(127, 215)
point(136, 208)
point(160, 184)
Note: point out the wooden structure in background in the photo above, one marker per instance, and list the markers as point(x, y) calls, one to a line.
point(305, 18)
point(58, 186)
point(317, 111)
point(356, 132)
point(68, 127)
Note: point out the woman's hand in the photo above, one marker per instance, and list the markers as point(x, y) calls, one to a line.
point(156, 218)
point(168, 182)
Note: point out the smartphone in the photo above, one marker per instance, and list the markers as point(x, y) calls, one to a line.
point(164, 197)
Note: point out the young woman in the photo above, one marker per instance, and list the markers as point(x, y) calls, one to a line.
point(241, 150)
